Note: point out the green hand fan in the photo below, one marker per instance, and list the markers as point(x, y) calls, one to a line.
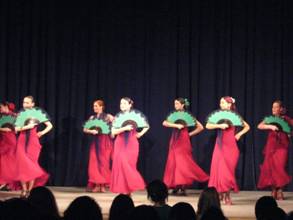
point(132, 117)
point(7, 121)
point(33, 115)
point(282, 124)
point(182, 117)
point(225, 116)
point(99, 124)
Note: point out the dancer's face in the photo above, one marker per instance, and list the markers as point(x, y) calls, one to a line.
point(28, 103)
point(125, 105)
point(178, 106)
point(97, 108)
point(224, 105)
point(276, 109)
point(4, 109)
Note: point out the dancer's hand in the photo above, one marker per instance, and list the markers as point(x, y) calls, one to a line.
point(94, 132)
point(40, 134)
point(237, 137)
point(223, 126)
point(180, 126)
point(273, 127)
point(128, 127)
point(6, 129)
point(27, 127)
point(30, 126)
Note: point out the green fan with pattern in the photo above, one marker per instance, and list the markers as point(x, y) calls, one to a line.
point(7, 121)
point(101, 125)
point(182, 117)
point(31, 116)
point(133, 117)
point(225, 116)
point(281, 123)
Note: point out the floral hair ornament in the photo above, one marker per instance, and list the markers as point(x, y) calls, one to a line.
point(10, 106)
point(233, 100)
point(186, 102)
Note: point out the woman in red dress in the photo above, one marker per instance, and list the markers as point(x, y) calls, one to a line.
point(30, 174)
point(100, 152)
point(181, 170)
point(7, 147)
point(125, 178)
point(226, 154)
point(273, 170)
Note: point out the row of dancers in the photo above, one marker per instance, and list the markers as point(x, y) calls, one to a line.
point(19, 167)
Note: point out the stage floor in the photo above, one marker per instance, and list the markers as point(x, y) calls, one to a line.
point(242, 208)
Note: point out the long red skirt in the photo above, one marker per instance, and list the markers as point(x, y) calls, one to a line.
point(273, 170)
point(125, 178)
point(8, 172)
point(27, 155)
point(181, 169)
point(99, 160)
point(224, 161)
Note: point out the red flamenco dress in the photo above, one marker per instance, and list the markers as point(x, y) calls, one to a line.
point(8, 172)
point(181, 169)
point(125, 178)
point(27, 154)
point(224, 161)
point(99, 160)
point(273, 170)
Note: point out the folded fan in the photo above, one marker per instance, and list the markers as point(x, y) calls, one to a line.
point(225, 116)
point(133, 117)
point(34, 115)
point(182, 117)
point(99, 124)
point(7, 121)
point(281, 123)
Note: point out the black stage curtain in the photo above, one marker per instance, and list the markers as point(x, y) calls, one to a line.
point(68, 53)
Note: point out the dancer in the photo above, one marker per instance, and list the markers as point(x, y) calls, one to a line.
point(125, 178)
point(226, 153)
point(30, 174)
point(273, 170)
point(101, 147)
point(7, 144)
point(181, 169)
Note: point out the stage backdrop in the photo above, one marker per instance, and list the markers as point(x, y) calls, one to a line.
point(67, 54)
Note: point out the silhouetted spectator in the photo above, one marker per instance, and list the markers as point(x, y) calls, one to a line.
point(144, 212)
point(213, 213)
point(121, 208)
point(83, 207)
point(182, 210)
point(208, 198)
point(43, 199)
point(16, 208)
point(276, 213)
point(262, 205)
point(158, 194)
